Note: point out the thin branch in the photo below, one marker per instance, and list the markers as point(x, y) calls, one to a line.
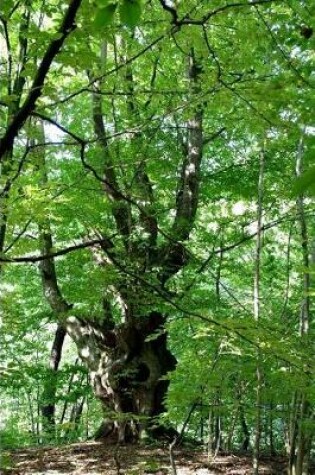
point(228, 6)
point(171, 10)
point(104, 242)
point(160, 92)
point(244, 239)
point(237, 94)
point(9, 53)
point(18, 236)
point(281, 50)
point(212, 52)
point(5, 190)
point(110, 72)
point(59, 126)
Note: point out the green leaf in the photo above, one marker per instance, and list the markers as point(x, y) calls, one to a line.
point(305, 182)
point(104, 16)
point(103, 3)
point(130, 12)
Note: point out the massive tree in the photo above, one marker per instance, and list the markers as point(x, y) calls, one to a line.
point(111, 127)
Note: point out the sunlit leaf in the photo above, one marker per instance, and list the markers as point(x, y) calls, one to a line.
point(305, 182)
point(104, 15)
point(130, 12)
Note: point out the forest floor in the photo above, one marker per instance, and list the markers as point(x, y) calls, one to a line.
point(93, 458)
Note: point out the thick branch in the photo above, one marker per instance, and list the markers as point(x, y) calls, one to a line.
point(121, 210)
point(47, 266)
point(301, 218)
point(111, 184)
point(189, 182)
point(170, 9)
point(188, 190)
point(53, 49)
point(49, 277)
point(142, 180)
point(20, 78)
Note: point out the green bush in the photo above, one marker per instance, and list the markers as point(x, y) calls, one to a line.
point(13, 438)
point(5, 461)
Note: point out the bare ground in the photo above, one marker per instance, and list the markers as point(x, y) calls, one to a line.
point(95, 458)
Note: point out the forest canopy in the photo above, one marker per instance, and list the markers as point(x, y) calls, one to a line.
point(157, 223)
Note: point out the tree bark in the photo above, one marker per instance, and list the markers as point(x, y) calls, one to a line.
point(50, 383)
point(127, 372)
point(256, 305)
point(246, 441)
point(14, 87)
point(299, 460)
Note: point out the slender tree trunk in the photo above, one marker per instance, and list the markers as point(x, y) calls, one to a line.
point(232, 424)
point(240, 391)
point(292, 431)
point(300, 465)
point(271, 432)
point(217, 426)
point(74, 421)
point(65, 405)
point(245, 430)
point(210, 443)
point(50, 384)
point(31, 412)
point(49, 281)
point(256, 303)
point(304, 439)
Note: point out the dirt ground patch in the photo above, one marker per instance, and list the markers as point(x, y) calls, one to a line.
point(93, 458)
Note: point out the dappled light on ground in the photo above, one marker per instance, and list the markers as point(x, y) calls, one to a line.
point(93, 458)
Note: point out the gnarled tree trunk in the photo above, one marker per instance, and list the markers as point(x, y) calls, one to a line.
point(128, 372)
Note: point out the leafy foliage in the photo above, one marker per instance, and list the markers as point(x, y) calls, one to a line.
point(104, 181)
